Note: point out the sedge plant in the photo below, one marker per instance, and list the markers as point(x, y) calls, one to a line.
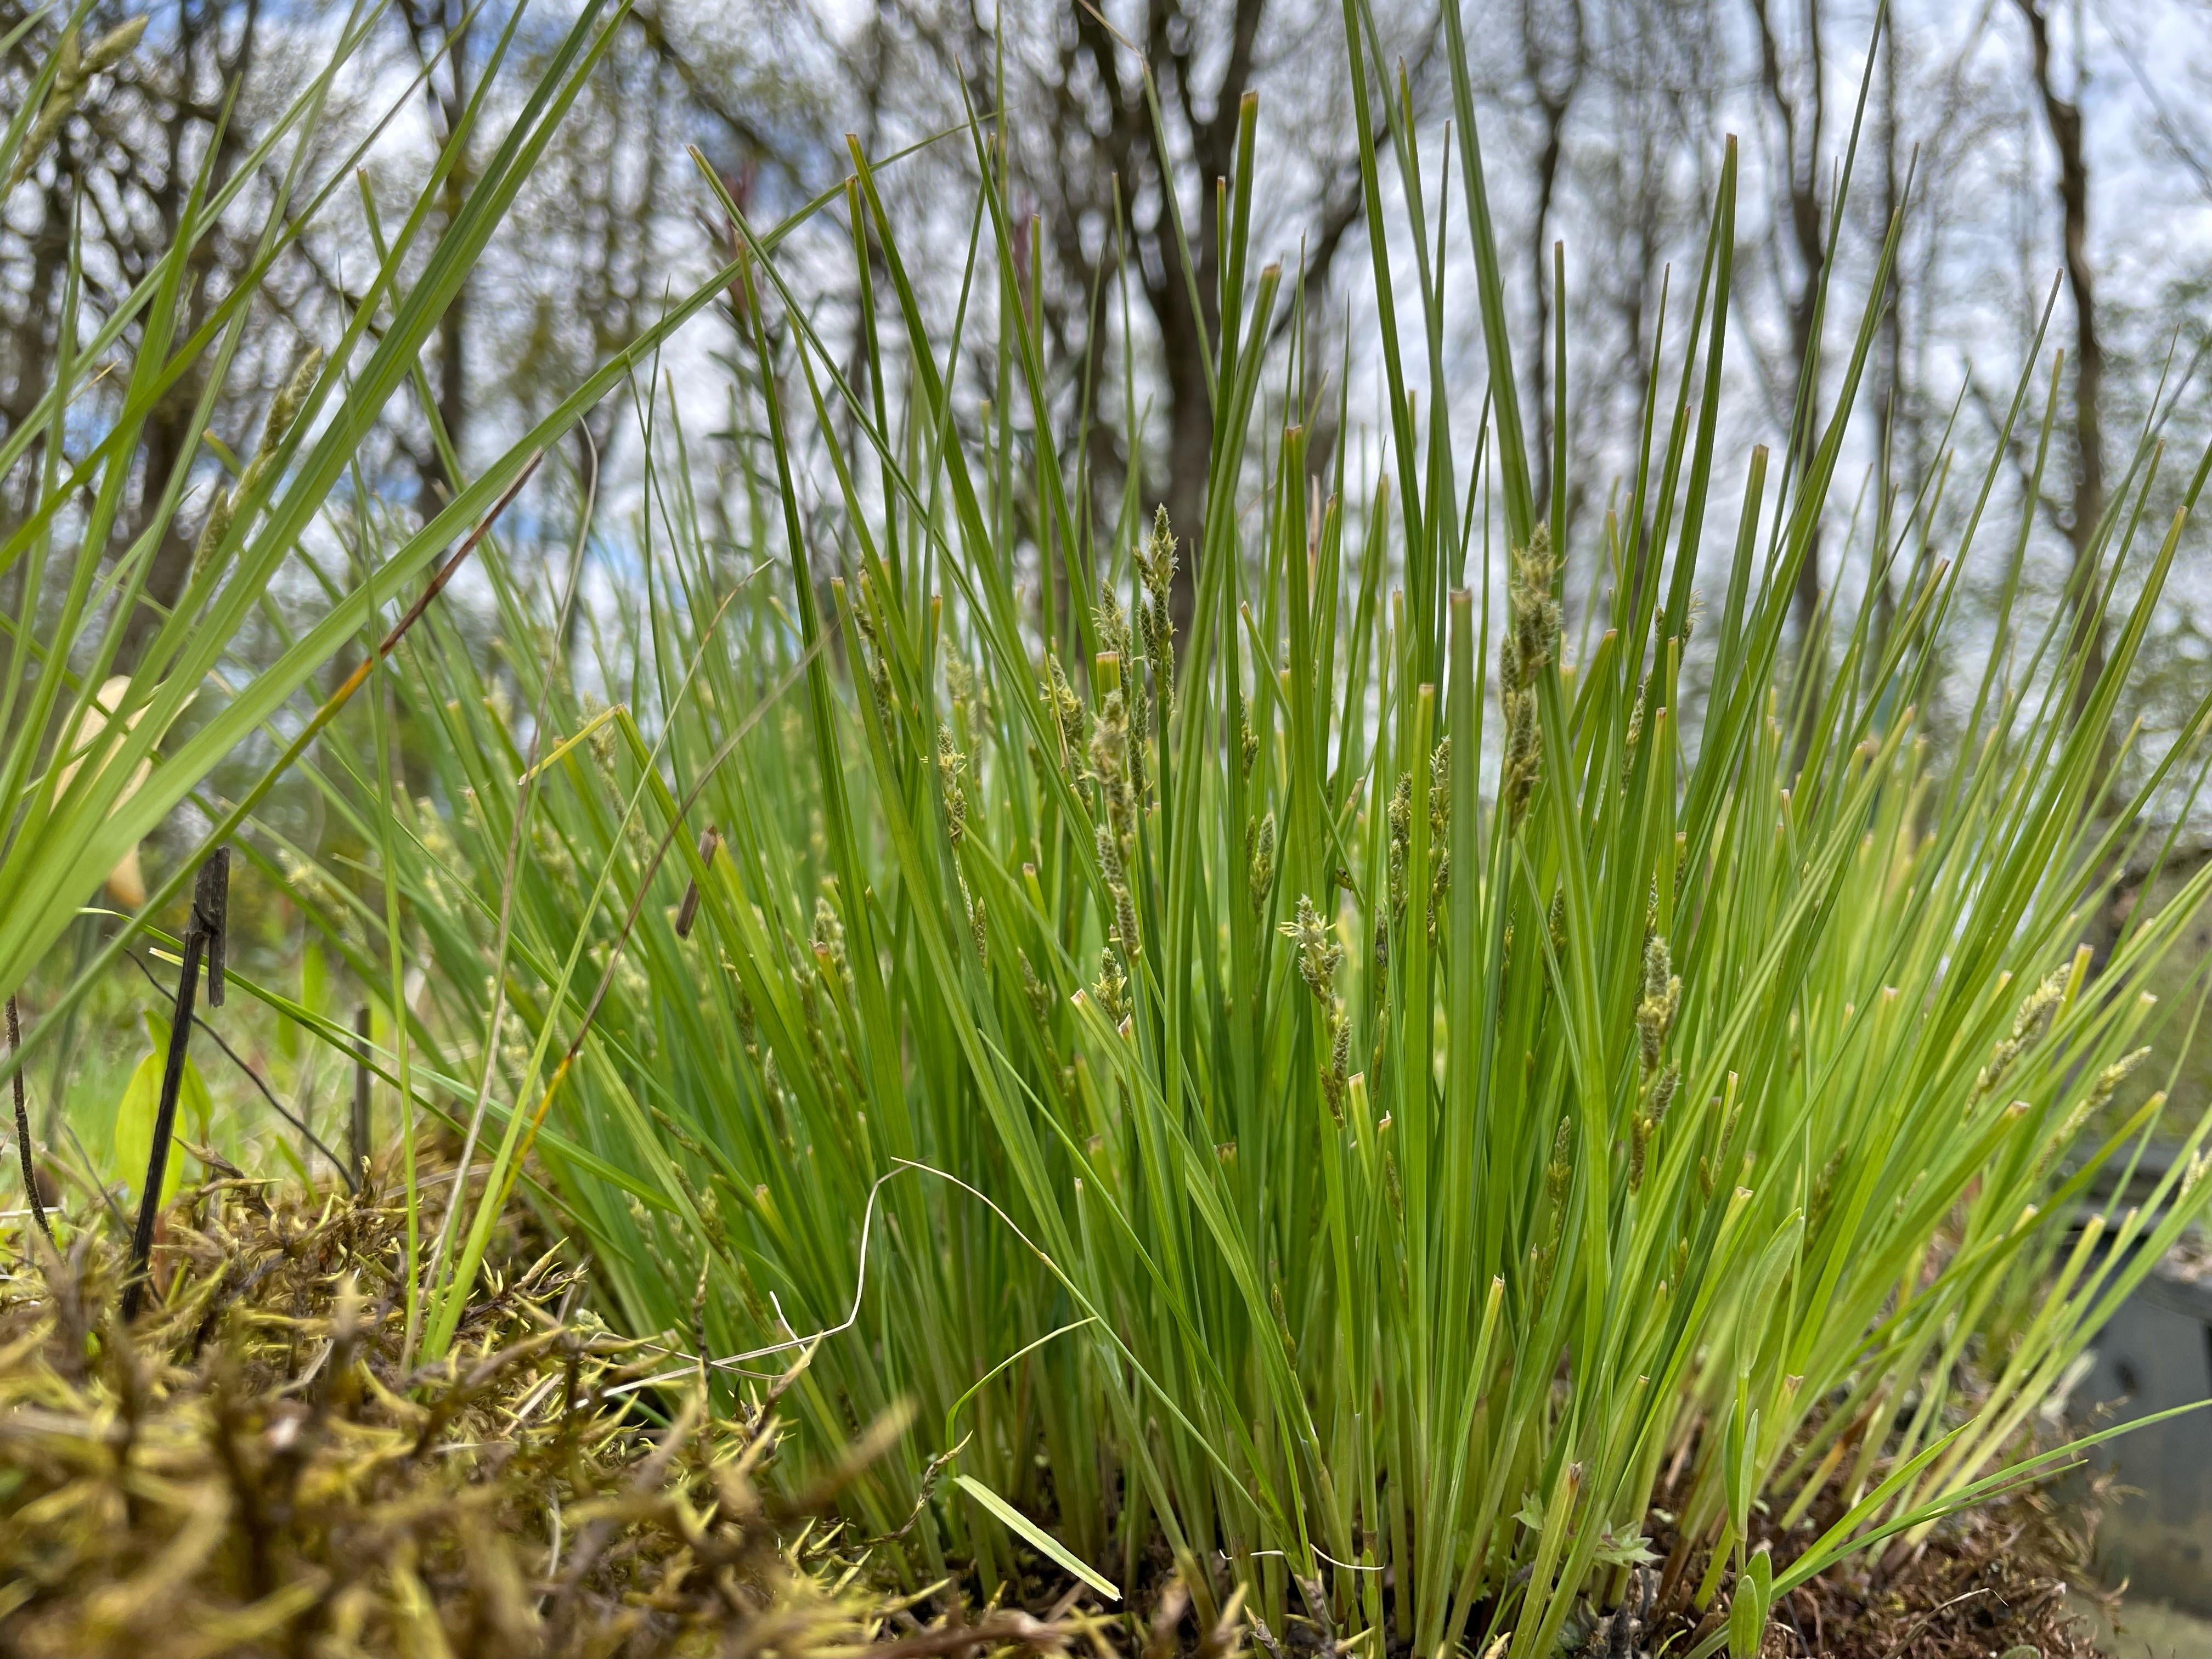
point(1326, 1075)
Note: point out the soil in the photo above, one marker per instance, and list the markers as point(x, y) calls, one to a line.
point(2007, 1581)
point(1992, 1583)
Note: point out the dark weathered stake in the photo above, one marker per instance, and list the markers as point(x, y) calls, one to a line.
point(202, 939)
point(23, 1132)
point(357, 1142)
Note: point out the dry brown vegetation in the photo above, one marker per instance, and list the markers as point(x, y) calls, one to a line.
point(1992, 1582)
point(247, 1471)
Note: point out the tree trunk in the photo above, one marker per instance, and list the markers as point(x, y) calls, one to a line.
point(171, 440)
point(437, 486)
point(169, 445)
point(1552, 104)
point(1802, 120)
point(2064, 119)
point(1190, 446)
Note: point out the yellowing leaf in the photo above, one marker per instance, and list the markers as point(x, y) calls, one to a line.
point(1036, 1535)
point(95, 743)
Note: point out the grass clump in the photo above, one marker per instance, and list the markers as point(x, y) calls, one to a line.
point(1305, 1075)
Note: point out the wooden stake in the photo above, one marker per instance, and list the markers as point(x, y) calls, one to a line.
point(203, 941)
point(23, 1133)
point(358, 1143)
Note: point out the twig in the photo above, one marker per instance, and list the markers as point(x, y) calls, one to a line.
point(1928, 1618)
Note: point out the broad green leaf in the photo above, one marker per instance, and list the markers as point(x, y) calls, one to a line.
point(195, 1106)
point(1747, 1610)
point(133, 1138)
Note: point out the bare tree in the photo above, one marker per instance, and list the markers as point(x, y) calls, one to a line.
point(1107, 154)
point(1646, 107)
point(122, 171)
point(1555, 57)
point(2062, 116)
point(1117, 131)
point(1799, 104)
point(440, 30)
